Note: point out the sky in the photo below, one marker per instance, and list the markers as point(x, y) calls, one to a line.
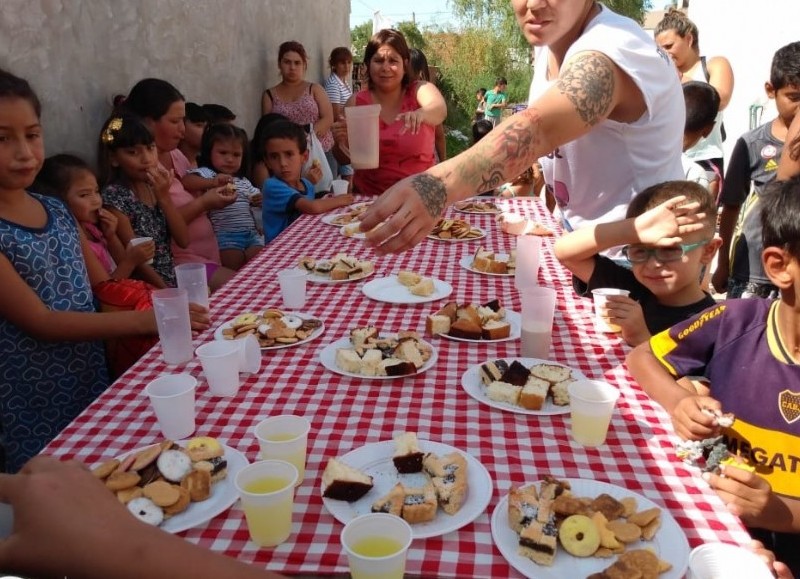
point(426, 12)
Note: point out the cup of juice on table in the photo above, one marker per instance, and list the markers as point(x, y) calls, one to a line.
point(591, 405)
point(538, 309)
point(266, 489)
point(600, 296)
point(376, 546)
point(284, 437)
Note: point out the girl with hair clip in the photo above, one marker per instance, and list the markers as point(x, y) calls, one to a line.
point(53, 364)
point(136, 190)
point(222, 162)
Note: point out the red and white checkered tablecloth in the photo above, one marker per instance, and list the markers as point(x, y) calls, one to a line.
point(347, 413)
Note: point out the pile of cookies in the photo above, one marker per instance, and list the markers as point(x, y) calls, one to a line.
point(340, 267)
point(476, 206)
point(451, 229)
point(600, 526)
point(373, 355)
point(162, 480)
point(272, 327)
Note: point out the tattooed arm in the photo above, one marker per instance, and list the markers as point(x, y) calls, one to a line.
point(590, 89)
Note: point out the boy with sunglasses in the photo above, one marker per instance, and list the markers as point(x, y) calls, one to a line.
point(748, 352)
point(668, 238)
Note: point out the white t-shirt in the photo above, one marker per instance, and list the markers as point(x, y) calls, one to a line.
point(709, 147)
point(596, 176)
point(694, 172)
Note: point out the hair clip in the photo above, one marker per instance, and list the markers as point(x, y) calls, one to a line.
point(114, 124)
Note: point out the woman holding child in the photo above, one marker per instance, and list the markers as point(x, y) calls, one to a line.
point(410, 111)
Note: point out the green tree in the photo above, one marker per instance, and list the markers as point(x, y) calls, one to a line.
point(359, 37)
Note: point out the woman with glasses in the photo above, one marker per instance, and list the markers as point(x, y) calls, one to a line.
point(668, 240)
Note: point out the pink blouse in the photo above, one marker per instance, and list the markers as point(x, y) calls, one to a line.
point(401, 155)
point(203, 246)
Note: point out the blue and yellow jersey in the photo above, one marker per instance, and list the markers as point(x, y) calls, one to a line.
point(738, 347)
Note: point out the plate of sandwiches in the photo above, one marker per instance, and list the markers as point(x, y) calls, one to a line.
point(455, 230)
point(478, 206)
point(521, 385)
point(352, 215)
point(577, 527)
point(340, 268)
point(274, 328)
point(490, 263)
point(365, 353)
point(489, 322)
point(407, 287)
point(435, 487)
point(175, 485)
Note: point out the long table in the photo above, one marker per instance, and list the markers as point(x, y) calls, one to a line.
point(347, 412)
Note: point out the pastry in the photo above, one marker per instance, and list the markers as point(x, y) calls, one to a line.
point(579, 535)
point(496, 330)
point(198, 485)
point(500, 391)
point(343, 482)
point(174, 465)
point(146, 511)
point(538, 543)
point(492, 371)
point(407, 456)
point(534, 393)
point(419, 504)
point(467, 329)
point(449, 478)
point(424, 288)
point(204, 448)
point(408, 278)
point(391, 502)
point(517, 374)
point(523, 507)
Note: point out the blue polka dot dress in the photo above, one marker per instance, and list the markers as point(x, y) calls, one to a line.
point(45, 385)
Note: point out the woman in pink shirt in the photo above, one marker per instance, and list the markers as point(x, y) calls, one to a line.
point(163, 109)
point(410, 109)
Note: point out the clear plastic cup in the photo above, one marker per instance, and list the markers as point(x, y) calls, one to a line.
point(722, 560)
point(249, 354)
point(526, 274)
point(538, 310)
point(266, 489)
point(172, 399)
point(220, 361)
point(284, 437)
point(138, 241)
point(192, 278)
point(600, 296)
point(171, 307)
point(293, 288)
point(376, 546)
point(591, 407)
point(363, 130)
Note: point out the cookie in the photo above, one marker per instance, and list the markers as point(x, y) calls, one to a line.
point(625, 532)
point(649, 531)
point(204, 448)
point(127, 495)
point(183, 502)
point(579, 536)
point(105, 469)
point(607, 538)
point(118, 481)
point(162, 493)
point(630, 506)
point(644, 518)
point(198, 483)
point(146, 511)
point(146, 457)
point(174, 465)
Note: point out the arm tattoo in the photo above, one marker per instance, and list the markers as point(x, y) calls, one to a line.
point(432, 192)
point(588, 82)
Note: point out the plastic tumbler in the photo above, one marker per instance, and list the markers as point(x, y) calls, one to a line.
point(138, 241)
point(527, 271)
point(266, 489)
point(284, 437)
point(220, 361)
point(362, 135)
point(538, 309)
point(192, 278)
point(600, 295)
point(591, 406)
point(171, 307)
point(172, 399)
point(721, 560)
point(339, 186)
point(293, 288)
point(376, 546)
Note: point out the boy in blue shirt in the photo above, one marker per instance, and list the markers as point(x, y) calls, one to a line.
point(748, 351)
point(286, 193)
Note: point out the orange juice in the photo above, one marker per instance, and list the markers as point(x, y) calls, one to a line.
point(291, 453)
point(589, 430)
point(376, 547)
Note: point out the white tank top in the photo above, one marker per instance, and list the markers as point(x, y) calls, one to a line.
point(596, 176)
point(711, 146)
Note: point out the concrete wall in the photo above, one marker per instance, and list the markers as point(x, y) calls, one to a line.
point(78, 53)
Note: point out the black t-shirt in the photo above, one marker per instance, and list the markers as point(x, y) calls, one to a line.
point(657, 316)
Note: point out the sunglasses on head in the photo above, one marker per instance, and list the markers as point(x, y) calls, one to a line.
point(641, 254)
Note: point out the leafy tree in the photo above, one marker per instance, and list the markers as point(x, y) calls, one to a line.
point(359, 37)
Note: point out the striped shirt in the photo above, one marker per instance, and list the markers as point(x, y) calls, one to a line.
point(337, 90)
point(236, 216)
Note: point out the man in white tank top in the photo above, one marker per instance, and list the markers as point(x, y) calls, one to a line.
point(610, 116)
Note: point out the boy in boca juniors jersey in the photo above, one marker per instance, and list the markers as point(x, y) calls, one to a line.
point(749, 352)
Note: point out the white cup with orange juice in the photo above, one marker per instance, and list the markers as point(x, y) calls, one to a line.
point(591, 406)
point(376, 546)
point(266, 490)
point(284, 437)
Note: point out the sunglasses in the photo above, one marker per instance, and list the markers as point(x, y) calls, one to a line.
point(640, 254)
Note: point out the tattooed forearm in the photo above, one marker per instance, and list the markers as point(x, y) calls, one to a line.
point(432, 192)
point(588, 82)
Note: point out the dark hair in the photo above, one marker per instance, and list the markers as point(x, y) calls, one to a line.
point(196, 113)
point(780, 216)
point(340, 54)
point(480, 129)
point(57, 173)
point(15, 87)
point(397, 41)
point(292, 46)
point(482, 91)
point(656, 194)
point(500, 80)
point(702, 105)
point(222, 132)
point(680, 23)
point(419, 64)
point(119, 132)
point(257, 142)
point(150, 98)
point(219, 113)
point(286, 130)
point(785, 70)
